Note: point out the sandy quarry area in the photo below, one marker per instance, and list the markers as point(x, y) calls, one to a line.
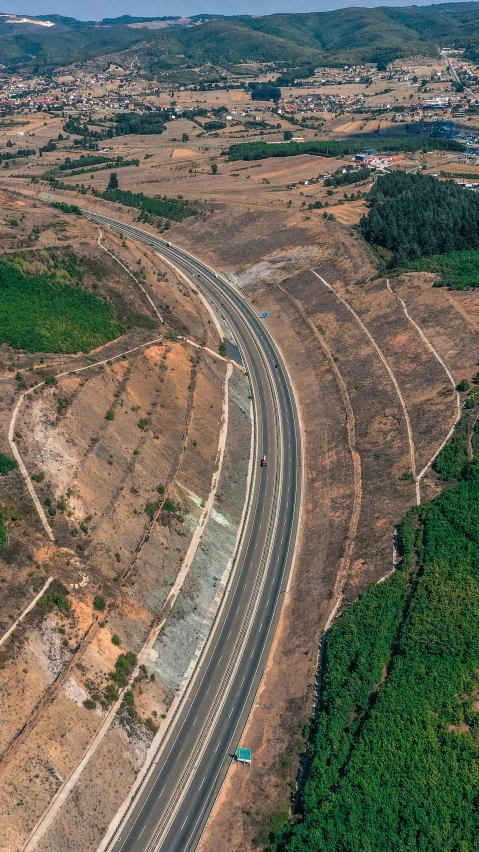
point(255, 226)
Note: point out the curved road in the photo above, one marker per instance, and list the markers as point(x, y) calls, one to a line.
point(171, 809)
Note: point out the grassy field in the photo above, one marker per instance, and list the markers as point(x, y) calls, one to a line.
point(39, 314)
point(394, 752)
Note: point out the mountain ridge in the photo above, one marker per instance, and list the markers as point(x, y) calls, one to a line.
point(352, 35)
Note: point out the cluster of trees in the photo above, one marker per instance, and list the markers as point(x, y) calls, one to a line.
point(413, 215)
point(394, 750)
point(39, 313)
point(48, 148)
point(148, 123)
point(458, 270)
point(67, 208)
point(346, 176)
point(85, 161)
point(116, 164)
point(451, 460)
point(7, 464)
point(19, 154)
point(126, 124)
point(214, 125)
point(264, 92)
point(292, 75)
point(340, 147)
point(159, 205)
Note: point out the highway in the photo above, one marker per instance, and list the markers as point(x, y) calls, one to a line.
point(171, 809)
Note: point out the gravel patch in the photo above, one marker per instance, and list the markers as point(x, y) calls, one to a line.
point(190, 620)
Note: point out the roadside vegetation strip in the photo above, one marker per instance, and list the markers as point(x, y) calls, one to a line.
point(448, 374)
point(25, 612)
point(340, 147)
point(176, 209)
point(398, 721)
point(383, 358)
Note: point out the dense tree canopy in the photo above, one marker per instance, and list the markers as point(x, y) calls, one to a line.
point(394, 750)
point(413, 215)
point(39, 313)
point(340, 147)
point(159, 205)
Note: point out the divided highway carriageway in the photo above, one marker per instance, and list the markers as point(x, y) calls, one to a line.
point(171, 808)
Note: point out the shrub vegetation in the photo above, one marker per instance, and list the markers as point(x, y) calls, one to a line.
point(41, 314)
point(7, 464)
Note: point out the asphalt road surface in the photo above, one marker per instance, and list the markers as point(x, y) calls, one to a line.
point(170, 811)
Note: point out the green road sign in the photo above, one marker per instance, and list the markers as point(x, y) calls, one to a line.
point(244, 755)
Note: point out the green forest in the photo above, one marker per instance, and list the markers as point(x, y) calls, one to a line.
point(394, 750)
point(350, 36)
point(340, 147)
point(41, 314)
point(415, 215)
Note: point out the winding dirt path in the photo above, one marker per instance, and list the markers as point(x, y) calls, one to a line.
point(450, 377)
point(345, 563)
point(412, 449)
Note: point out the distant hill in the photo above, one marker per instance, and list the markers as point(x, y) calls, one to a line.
point(344, 35)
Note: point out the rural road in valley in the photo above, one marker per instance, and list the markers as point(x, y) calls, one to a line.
point(171, 808)
point(457, 79)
